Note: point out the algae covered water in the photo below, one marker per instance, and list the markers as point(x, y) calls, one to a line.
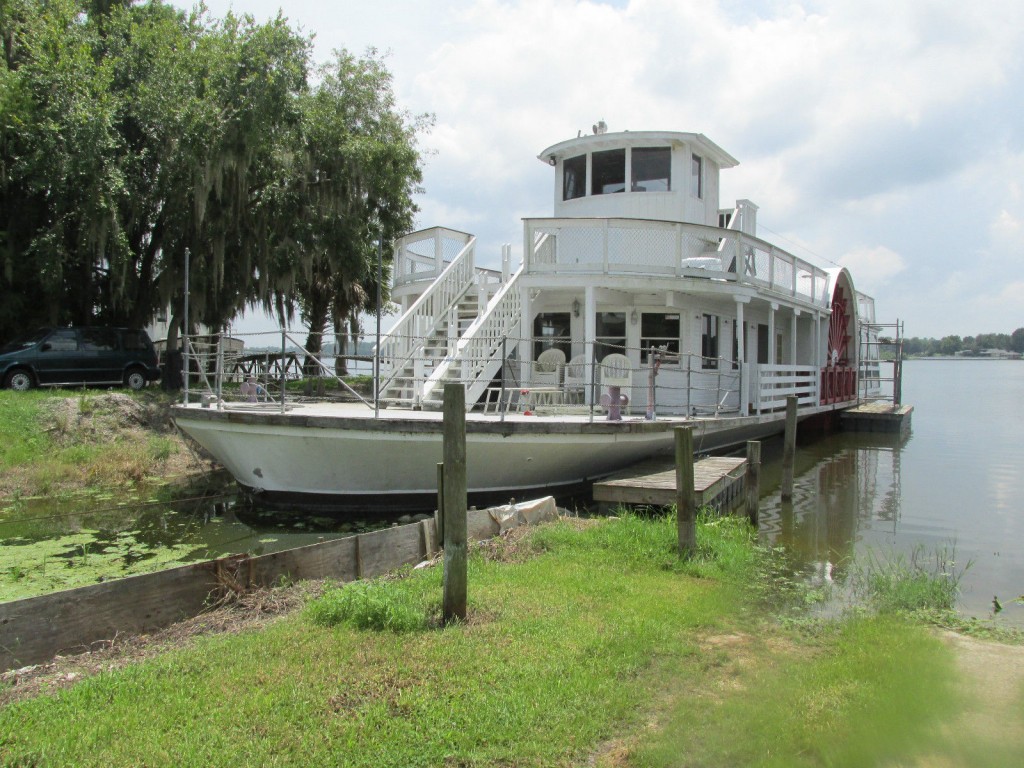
point(79, 539)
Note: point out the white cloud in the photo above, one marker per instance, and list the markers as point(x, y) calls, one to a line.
point(895, 124)
point(871, 267)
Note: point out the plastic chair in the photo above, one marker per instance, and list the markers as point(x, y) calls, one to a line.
point(575, 379)
point(547, 368)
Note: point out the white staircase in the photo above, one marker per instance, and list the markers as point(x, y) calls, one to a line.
point(453, 331)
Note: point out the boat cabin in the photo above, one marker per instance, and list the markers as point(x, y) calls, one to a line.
point(640, 281)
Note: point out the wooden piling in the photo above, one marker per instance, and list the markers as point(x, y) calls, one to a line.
point(753, 481)
point(439, 517)
point(789, 449)
point(686, 513)
point(455, 554)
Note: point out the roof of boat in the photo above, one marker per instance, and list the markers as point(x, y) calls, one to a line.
point(599, 141)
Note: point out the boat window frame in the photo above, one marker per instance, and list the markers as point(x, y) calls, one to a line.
point(605, 171)
point(606, 339)
point(542, 339)
point(652, 161)
point(697, 175)
point(710, 334)
point(648, 340)
point(574, 171)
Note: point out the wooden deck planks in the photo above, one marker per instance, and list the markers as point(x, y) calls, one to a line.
point(654, 483)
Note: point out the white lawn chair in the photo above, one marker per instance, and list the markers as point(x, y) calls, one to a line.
point(547, 369)
point(575, 379)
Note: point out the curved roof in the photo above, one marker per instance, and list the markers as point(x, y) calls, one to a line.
point(599, 141)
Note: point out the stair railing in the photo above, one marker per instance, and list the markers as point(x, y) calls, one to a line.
point(478, 352)
point(405, 341)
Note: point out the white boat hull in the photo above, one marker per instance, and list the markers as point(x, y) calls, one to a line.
point(338, 457)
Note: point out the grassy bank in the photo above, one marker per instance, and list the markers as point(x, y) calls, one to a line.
point(586, 644)
point(54, 441)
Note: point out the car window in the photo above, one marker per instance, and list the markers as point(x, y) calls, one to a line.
point(63, 340)
point(99, 340)
point(25, 341)
point(135, 341)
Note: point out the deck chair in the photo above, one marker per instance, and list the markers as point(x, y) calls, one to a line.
point(547, 368)
point(616, 371)
point(575, 379)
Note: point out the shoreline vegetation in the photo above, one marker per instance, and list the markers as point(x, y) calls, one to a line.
point(588, 642)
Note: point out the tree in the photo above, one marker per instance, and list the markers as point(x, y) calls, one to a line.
point(1017, 340)
point(358, 169)
point(134, 137)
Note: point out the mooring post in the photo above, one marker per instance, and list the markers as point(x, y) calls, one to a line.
point(454, 525)
point(439, 517)
point(752, 481)
point(789, 449)
point(686, 514)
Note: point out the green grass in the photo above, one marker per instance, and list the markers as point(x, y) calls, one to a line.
point(597, 643)
point(43, 449)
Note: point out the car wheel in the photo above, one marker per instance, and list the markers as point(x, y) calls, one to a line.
point(19, 380)
point(134, 380)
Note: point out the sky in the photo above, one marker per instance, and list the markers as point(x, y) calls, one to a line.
point(886, 136)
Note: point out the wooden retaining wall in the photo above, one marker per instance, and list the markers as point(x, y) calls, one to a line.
point(36, 629)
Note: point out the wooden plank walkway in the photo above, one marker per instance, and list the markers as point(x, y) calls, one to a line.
point(717, 481)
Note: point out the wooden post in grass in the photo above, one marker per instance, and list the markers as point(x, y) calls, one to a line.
point(686, 514)
point(789, 449)
point(454, 513)
point(439, 519)
point(752, 481)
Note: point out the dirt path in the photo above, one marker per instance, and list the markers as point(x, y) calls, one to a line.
point(993, 674)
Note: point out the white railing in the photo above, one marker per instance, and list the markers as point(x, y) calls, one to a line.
point(405, 341)
point(648, 247)
point(774, 383)
point(424, 255)
point(478, 354)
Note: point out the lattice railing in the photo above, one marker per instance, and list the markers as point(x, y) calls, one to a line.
point(631, 246)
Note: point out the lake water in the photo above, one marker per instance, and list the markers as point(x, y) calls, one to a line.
point(955, 483)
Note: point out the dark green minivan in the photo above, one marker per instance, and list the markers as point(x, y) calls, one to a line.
point(76, 356)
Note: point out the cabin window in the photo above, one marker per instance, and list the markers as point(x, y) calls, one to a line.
point(658, 329)
point(652, 169)
point(574, 177)
point(608, 172)
point(709, 342)
point(762, 344)
point(735, 346)
point(697, 173)
point(551, 330)
point(611, 334)
point(778, 349)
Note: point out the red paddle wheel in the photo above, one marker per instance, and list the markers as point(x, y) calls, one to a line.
point(838, 377)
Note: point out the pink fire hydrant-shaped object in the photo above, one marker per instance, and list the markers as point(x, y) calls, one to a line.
point(614, 402)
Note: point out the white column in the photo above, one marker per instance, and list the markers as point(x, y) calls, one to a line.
point(792, 338)
point(525, 335)
point(741, 351)
point(589, 333)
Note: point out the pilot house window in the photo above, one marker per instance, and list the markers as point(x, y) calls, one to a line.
point(574, 177)
point(652, 169)
point(609, 172)
point(698, 176)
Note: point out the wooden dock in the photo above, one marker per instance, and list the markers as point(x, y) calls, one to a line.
point(718, 481)
point(879, 416)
